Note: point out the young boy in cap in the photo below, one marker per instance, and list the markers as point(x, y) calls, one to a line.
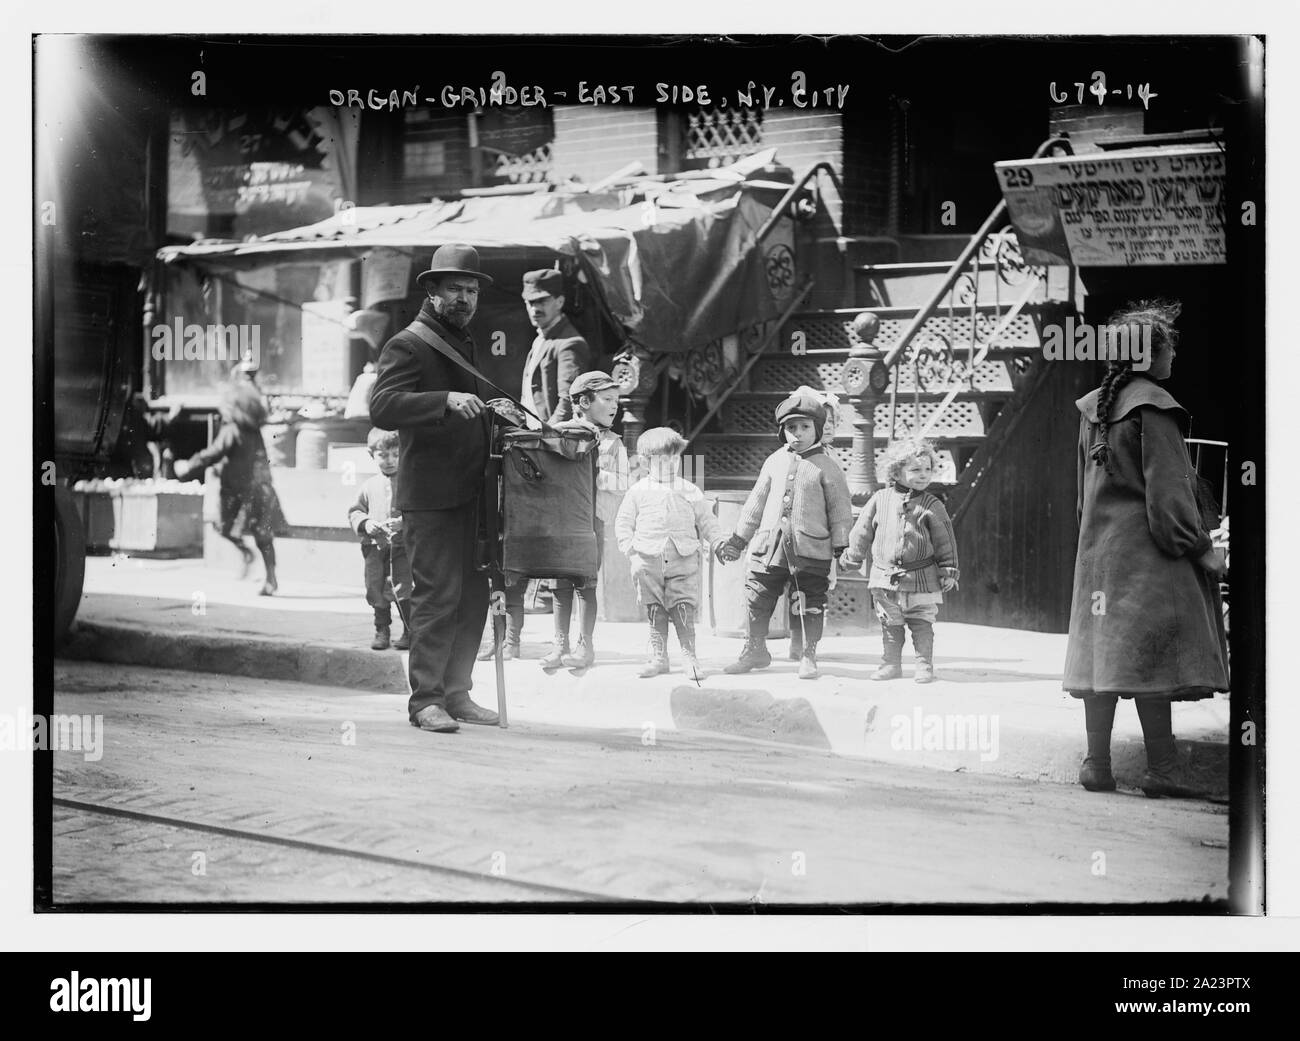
point(798, 516)
point(595, 404)
point(661, 526)
point(557, 355)
point(375, 517)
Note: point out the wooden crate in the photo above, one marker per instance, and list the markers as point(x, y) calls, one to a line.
point(162, 523)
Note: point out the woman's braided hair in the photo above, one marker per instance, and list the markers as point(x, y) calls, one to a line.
point(1160, 315)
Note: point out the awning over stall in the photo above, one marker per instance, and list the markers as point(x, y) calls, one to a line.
point(676, 263)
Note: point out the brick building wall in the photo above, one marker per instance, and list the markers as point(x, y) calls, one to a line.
point(803, 138)
point(592, 142)
point(869, 160)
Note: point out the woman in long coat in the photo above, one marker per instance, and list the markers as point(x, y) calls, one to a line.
point(1146, 621)
point(249, 505)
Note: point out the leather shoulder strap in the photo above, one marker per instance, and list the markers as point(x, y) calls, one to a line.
point(440, 345)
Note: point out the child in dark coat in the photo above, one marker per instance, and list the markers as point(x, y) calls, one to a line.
point(379, 523)
point(249, 505)
point(798, 516)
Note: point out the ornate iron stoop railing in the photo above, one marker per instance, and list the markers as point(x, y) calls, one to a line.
point(961, 348)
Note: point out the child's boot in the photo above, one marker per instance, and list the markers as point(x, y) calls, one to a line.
point(584, 655)
point(796, 639)
point(559, 651)
point(891, 660)
point(923, 644)
point(683, 617)
point(562, 610)
point(754, 654)
point(658, 663)
point(403, 642)
point(510, 648)
point(381, 640)
point(812, 633)
point(514, 631)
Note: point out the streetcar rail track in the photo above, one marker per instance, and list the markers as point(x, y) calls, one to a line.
point(330, 849)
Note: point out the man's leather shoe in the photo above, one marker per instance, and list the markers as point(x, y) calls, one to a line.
point(433, 717)
point(468, 712)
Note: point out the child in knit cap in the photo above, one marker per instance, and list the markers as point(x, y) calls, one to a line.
point(798, 516)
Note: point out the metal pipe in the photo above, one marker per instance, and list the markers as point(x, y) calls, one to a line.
point(778, 211)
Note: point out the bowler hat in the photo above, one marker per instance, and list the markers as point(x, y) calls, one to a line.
point(546, 282)
point(455, 258)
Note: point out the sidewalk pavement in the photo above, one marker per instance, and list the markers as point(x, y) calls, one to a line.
point(996, 707)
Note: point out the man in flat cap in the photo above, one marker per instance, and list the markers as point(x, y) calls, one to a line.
point(559, 353)
point(444, 429)
point(557, 357)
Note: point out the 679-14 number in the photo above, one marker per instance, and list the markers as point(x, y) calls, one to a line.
point(1099, 90)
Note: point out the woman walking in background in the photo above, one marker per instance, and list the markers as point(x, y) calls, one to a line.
point(249, 505)
point(1146, 620)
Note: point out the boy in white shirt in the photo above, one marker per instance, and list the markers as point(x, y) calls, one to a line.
point(662, 526)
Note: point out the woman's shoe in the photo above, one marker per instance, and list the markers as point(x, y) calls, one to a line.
point(1165, 777)
point(1096, 776)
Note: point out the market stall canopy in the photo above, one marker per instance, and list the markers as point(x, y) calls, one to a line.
point(677, 263)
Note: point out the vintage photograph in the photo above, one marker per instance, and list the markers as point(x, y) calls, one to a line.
point(695, 473)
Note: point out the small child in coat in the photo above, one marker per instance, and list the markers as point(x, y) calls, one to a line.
point(662, 525)
point(908, 535)
point(798, 516)
point(594, 396)
point(379, 523)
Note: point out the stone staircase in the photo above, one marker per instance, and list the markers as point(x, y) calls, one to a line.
point(920, 382)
